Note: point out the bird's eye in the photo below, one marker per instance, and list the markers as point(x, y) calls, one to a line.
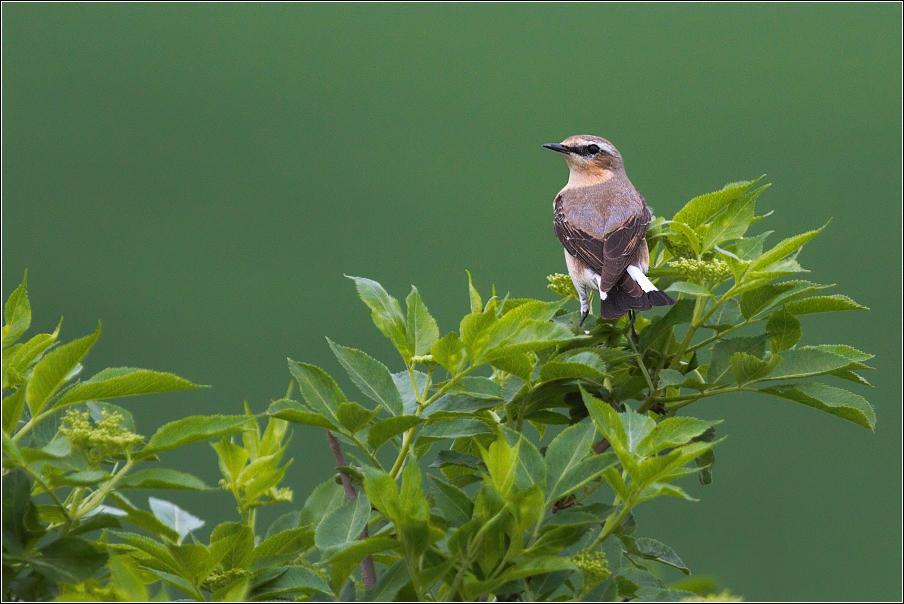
point(593, 149)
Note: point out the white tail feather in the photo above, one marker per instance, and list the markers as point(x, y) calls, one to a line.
point(641, 279)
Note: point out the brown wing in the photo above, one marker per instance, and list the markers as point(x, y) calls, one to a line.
point(612, 254)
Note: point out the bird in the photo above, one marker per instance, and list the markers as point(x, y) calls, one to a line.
point(601, 221)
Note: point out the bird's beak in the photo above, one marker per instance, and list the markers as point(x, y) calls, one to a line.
point(558, 147)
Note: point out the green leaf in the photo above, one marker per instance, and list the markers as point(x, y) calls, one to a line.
point(700, 209)
point(723, 350)
point(454, 504)
point(784, 329)
point(673, 432)
point(295, 412)
point(555, 370)
point(291, 541)
point(454, 428)
point(422, 329)
point(326, 496)
point(370, 376)
point(565, 452)
point(651, 549)
point(386, 313)
point(162, 478)
point(383, 430)
point(143, 520)
point(232, 543)
point(681, 312)
point(476, 302)
point(354, 417)
point(691, 289)
point(520, 365)
point(748, 368)
point(174, 517)
point(523, 569)
point(20, 517)
point(123, 381)
point(816, 304)
point(448, 351)
point(389, 584)
point(68, 560)
point(51, 372)
point(782, 249)
point(343, 562)
point(526, 327)
point(289, 580)
point(757, 300)
point(13, 406)
point(726, 315)
point(319, 390)
point(734, 221)
point(579, 476)
point(343, 524)
point(17, 313)
point(193, 429)
point(836, 401)
point(809, 361)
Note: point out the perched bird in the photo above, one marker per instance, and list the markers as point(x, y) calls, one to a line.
point(602, 221)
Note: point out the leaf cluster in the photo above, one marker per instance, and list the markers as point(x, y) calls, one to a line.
point(500, 461)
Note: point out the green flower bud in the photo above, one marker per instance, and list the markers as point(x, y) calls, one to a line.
point(101, 441)
point(562, 285)
point(725, 596)
point(593, 566)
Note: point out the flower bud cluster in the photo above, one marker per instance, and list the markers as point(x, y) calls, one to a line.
point(283, 494)
point(562, 285)
point(593, 565)
point(101, 441)
point(221, 578)
point(701, 270)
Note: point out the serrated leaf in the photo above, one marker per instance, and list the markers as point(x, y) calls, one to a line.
point(700, 209)
point(815, 304)
point(727, 315)
point(343, 524)
point(455, 505)
point(519, 364)
point(784, 329)
point(162, 478)
point(295, 412)
point(389, 583)
point(720, 364)
point(17, 313)
point(781, 250)
point(318, 389)
point(565, 452)
point(289, 580)
point(681, 312)
point(757, 300)
point(354, 417)
point(809, 361)
point(406, 388)
point(343, 562)
point(385, 312)
point(68, 560)
point(385, 429)
point(474, 296)
point(836, 401)
point(748, 368)
point(690, 288)
point(370, 376)
point(51, 371)
point(422, 330)
point(733, 222)
point(454, 428)
point(123, 381)
point(193, 429)
point(448, 351)
point(673, 432)
point(325, 497)
point(142, 519)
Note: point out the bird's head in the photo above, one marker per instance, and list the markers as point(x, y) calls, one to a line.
point(590, 158)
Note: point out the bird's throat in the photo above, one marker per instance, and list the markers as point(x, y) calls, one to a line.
point(587, 178)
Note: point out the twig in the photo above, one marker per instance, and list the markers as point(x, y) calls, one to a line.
point(368, 574)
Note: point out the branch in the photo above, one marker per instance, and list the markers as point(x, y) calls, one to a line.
point(368, 574)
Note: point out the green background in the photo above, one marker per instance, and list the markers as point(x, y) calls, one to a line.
point(200, 177)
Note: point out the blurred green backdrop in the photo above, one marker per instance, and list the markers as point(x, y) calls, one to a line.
point(200, 177)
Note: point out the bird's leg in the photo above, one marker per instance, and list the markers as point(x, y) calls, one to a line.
point(585, 305)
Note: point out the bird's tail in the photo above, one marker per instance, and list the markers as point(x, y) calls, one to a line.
point(618, 302)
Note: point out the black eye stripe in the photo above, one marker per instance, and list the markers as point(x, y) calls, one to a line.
point(591, 149)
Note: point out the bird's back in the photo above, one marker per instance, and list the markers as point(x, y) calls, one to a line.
point(598, 209)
